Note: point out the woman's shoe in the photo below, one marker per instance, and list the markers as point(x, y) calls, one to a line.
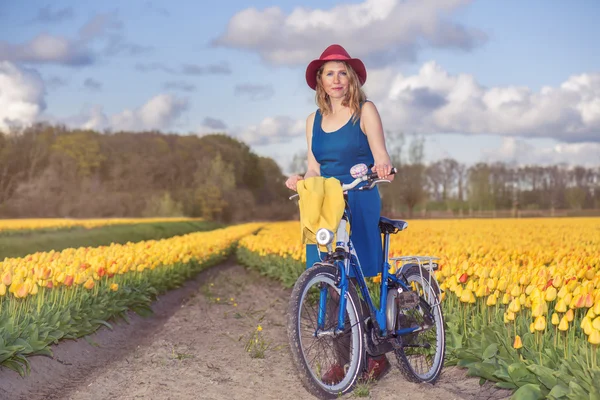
point(335, 375)
point(377, 367)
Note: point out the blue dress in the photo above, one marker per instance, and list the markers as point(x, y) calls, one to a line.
point(337, 152)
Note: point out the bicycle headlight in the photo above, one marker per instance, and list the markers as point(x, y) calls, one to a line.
point(324, 236)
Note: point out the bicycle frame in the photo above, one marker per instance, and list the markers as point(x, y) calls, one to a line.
point(343, 265)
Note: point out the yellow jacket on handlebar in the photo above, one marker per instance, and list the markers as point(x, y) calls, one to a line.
point(321, 206)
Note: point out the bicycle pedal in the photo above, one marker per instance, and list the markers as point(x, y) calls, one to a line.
point(407, 300)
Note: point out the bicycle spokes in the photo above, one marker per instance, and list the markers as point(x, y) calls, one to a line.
point(328, 358)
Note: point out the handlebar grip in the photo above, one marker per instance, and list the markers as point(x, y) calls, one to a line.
point(373, 175)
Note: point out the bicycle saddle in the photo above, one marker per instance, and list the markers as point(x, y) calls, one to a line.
point(387, 225)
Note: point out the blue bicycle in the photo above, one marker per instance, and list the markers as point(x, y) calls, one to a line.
point(333, 321)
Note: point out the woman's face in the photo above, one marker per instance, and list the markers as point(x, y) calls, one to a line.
point(335, 79)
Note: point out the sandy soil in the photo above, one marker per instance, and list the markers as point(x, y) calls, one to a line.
point(193, 348)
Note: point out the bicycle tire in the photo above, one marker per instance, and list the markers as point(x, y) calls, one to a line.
point(407, 360)
point(310, 370)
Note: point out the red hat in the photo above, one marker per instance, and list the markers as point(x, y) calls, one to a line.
point(335, 52)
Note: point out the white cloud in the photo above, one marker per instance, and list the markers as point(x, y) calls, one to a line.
point(434, 101)
point(95, 119)
point(47, 48)
point(525, 152)
point(382, 30)
point(21, 96)
point(271, 130)
point(160, 112)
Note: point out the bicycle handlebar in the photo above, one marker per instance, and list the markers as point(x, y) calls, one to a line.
point(368, 177)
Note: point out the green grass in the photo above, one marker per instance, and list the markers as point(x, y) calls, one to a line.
point(29, 242)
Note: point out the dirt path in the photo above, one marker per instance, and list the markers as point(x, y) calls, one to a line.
point(193, 348)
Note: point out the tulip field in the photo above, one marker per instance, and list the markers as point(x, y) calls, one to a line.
point(521, 296)
point(8, 225)
point(49, 296)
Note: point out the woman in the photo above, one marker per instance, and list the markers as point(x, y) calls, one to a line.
point(344, 131)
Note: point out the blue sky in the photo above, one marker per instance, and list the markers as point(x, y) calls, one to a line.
point(480, 80)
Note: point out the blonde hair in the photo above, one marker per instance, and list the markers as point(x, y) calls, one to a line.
point(354, 98)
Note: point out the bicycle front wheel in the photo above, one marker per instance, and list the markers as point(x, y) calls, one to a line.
point(328, 362)
point(421, 357)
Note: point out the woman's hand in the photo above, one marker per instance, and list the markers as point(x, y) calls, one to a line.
point(383, 171)
point(292, 182)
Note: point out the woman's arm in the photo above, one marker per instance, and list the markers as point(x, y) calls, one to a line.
point(314, 169)
point(372, 127)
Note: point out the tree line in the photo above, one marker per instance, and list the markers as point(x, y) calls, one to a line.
point(54, 171)
point(451, 188)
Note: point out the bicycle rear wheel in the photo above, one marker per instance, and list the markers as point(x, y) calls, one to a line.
point(328, 363)
point(421, 357)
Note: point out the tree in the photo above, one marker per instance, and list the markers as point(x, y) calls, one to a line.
point(213, 180)
point(299, 163)
point(53, 171)
point(480, 191)
point(410, 183)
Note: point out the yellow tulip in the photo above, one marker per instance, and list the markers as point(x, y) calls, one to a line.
point(465, 296)
point(2, 289)
point(540, 323)
point(589, 274)
point(557, 281)
point(568, 298)
point(550, 293)
point(529, 290)
point(515, 305)
point(564, 324)
point(502, 284)
point(585, 322)
point(524, 300)
point(589, 300)
point(515, 291)
point(562, 292)
point(596, 323)
point(594, 337)
point(89, 283)
point(481, 291)
point(570, 315)
point(560, 306)
point(539, 308)
point(7, 278)
point(572, 285)
point(21, 290)
point(555, 319)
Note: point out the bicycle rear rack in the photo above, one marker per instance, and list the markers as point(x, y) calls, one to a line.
point(424, 262)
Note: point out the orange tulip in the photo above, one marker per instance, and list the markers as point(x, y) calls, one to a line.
point(517, 343)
